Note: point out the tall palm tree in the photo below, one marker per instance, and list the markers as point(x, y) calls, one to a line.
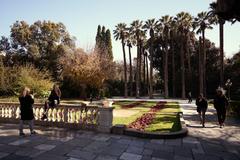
point(173, 42)
point(213, 13)
point(136, 29)
point(184, 23)
point(120, 34)
point(130, 42)
point(151, 25)
point(202, 22)
point(166, 23)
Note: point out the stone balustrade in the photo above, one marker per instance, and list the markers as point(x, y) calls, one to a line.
point(79, 116)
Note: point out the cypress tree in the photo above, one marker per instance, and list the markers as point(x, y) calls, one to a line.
point(104, 42)
point(109, 44)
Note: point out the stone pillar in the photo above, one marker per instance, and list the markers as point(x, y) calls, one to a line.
point(105, 119)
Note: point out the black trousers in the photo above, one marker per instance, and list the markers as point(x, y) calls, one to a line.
point(221, 113)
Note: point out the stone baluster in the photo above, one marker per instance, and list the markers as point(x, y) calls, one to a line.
point(65, 115)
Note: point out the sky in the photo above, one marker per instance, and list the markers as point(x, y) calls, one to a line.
point(81, 17)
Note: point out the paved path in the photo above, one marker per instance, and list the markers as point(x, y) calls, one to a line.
point(211, 143)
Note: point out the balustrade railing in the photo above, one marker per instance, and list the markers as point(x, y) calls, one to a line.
point(72, 116)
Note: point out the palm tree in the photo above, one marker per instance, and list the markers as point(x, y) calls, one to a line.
point(184, 23)
point(166, 23)
point(136, 29)
point(151, 25)
point(130, 42)
point(213, 12)
point(120, 34)
point(173, 42)
point(202, 22)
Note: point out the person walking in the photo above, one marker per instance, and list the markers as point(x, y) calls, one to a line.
point(189, 97)
point(53, 100)
point(202, 105)
point(221, 104)
point(26, 108)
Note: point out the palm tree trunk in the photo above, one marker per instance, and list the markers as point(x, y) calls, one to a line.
point(200, 71)
point(182, 71)
point(151, 75)
point(147, 74)
point(189, 67)
point(140, 69)
point(125, 71)
point(144, 73)
point(221, 29)
point(173, 71)
point(204, 64)
point(131, 77)
point(166, 73)
point(137, 73)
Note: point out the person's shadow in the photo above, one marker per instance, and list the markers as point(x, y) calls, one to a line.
point(200, 126)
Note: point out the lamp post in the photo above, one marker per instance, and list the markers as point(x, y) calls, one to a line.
point(228, 84)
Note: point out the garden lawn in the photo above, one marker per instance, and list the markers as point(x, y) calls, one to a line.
point(166, 120)
point(137, 111)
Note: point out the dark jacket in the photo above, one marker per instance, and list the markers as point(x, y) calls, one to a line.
point(26, 107)
point(201, 105)
point(53, 96)
point(220, 102)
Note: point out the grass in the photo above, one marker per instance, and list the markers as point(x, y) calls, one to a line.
point(140, 109)
point(166, 119)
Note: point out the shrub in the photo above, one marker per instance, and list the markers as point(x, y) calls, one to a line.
point(16, 78)
point(234, 107)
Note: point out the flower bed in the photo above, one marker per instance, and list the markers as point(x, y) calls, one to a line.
point(146, 119)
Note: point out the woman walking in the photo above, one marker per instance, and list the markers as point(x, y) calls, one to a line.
point(26, 101)
point(53, 100)
point(202, 105)
point(220, 104)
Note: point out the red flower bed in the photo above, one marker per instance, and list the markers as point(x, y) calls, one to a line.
point(142, 122)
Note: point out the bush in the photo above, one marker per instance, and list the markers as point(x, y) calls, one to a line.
point(234, 107)
point(16, 78)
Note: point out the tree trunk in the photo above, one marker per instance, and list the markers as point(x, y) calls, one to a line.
point(151, 74)
point(125, 71)
point(204, 64)
point(166, 73)
point(221, 29)
point(182, 70)
point(131, 77)
point(173, 71)
point(147, 74)
point(200, 71)
point(189, 67)
point(140, 70)
point(137, 73)
point(144, 74)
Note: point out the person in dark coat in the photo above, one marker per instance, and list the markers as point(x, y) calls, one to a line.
point(26, 101)
point(221, 104)
point(53, 100)
point(189, 97)
point(202, 106)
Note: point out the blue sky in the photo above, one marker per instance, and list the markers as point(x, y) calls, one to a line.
point(82, 17)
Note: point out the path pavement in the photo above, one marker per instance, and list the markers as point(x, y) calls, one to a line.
point(210, 143)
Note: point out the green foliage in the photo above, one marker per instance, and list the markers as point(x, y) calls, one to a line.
point(41, 44)
point(234, 108)
point(16, 78)
point(104, 42)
